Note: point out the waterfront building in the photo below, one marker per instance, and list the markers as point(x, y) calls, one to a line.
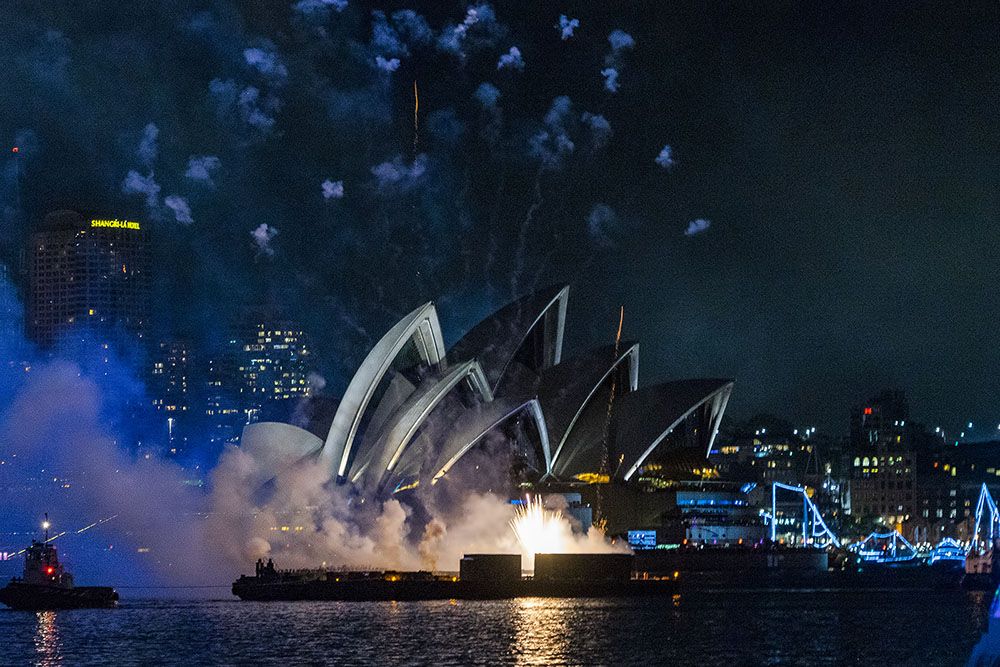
point(87, 274)
point(950, 480)
point(502, 397)
point(883, 461)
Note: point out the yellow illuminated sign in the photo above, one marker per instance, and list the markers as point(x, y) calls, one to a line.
point(115, 224)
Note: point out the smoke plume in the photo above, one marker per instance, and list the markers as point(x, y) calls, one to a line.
point(665, 158)
point(332, 189)
point(179, 205)
point(566, 26)
point(511, 60)
point(262, 236)
point(200, 168)
point(697, 227)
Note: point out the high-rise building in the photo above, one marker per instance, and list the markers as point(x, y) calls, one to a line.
point(224, 416)
point(273, 368)
point(261, 374)
point(882, 460)
point(169, 377)
point(87, 274)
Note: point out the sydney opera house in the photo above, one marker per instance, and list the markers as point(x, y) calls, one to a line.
point(414, 412)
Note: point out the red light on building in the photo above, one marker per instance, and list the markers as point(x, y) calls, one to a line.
point(15, 149)
point(868, 411)
point(49, 570)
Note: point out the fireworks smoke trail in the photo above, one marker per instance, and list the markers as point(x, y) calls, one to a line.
point(416, 116)
point(522, 236)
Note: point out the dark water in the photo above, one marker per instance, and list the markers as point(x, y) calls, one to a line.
point(728, 628)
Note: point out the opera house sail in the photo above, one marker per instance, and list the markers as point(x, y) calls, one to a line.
point(413, 410)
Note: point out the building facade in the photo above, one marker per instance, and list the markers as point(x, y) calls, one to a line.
point(273, 367)
point(883, 465)
point(87, 274)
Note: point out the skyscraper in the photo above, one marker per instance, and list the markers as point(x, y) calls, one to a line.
point(273, 368)
point(169, 377)
point(260, 374)
point(87, 274)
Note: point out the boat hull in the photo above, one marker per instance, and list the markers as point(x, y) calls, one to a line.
point(251, 588)
point(35, 597)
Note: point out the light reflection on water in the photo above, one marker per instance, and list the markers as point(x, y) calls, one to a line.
point(541, 632)
point(738, 628)
point(47, 646)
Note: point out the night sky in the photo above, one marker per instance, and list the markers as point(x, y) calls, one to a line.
point(844, 157)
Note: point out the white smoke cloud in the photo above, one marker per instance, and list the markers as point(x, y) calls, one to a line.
point(148, 146)
point(333, 526)
point(385, 39)
point(412, 28)
point(600, 129)
point(396, 173)
point(182, 210)
point(253, 109)
point(480, 21)
point(200, 168)
point(511, 60)
point(610, 75)
point(487, 94)
point(267, 62)
point(601, 222)
point(262, 236)
point(566, 26)
point(665, 158)
point(390, 65)
point(136, 183)
point(553, 143)
point(697, 226)
point(332, 189)
point(319, 9)
point(620, 41)
point(55, 419)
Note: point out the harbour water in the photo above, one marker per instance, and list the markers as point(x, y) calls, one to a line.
point(707, 628)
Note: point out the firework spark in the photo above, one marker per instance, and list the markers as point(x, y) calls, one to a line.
point(540, 530)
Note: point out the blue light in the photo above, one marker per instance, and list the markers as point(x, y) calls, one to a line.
point(642, 539)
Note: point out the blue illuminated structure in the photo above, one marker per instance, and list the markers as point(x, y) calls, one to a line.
point(814, 529)
point(886, 548)
point(980, 541)
point(947, 550)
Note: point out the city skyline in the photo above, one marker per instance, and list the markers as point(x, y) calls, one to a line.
point(583, 333)
point(47, 281)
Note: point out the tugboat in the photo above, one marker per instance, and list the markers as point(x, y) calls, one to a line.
point(46, 585)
